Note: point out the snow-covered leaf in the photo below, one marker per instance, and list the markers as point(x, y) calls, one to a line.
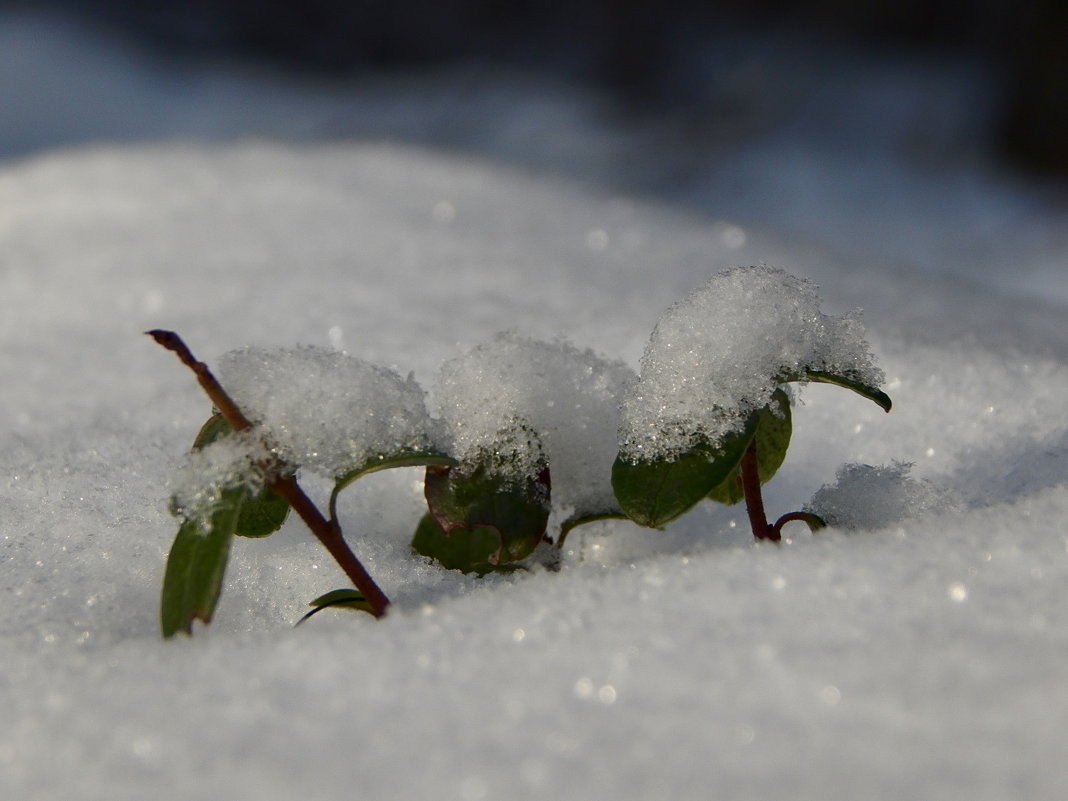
point(720, 353)
point(262, 513)
point(326, 411)
point(529, 403)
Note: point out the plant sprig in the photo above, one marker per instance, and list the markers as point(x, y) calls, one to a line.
point(191, 593)
point(489, 504)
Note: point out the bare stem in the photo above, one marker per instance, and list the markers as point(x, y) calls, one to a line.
point(329, 534)
point(754, 500)
point(223, 402)
point(327, 531)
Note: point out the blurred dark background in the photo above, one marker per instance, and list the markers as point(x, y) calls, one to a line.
point(640, 52)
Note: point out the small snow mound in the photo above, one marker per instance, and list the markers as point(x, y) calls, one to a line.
point(867, 497)
point(207, 473)
point(325, 410)
point(718, 355)
point(515, 402)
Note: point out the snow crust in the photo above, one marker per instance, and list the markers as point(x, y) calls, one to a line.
point(717, 356)
point(526, 403)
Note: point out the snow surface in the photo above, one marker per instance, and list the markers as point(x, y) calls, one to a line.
point(923, 658)
point(916, 658)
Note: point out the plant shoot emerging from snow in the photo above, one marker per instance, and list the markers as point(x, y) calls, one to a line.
point(709, 416)
point(524, 433)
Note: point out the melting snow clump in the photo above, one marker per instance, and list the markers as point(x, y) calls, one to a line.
point(866, 497)
point(719, 354)
point(522, 402)
point(325, 410)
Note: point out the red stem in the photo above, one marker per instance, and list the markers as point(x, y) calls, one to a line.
point(327, 531)
point(754, 501)
point(329, 534)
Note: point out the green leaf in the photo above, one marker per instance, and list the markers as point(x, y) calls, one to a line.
point(653, 493)
point(469, 550)
point(406, 458)
point(196, 565)
point(464, 503)
point(773, 428)
point(262, 514)
point(581, 519)
point(345, 598)
point(813, 521)
point(849, 382)
point(214, 428)
point(402, 458)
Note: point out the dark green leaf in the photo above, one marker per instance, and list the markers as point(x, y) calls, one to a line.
point(849, 382)
point(346, 598)
point(813, 521)
point(214, 428)
point(653, 493)
point(517, 511)
point(773, 428)
point(469, 550)
point(196, 564)
point(405, 458)
point(263, 513)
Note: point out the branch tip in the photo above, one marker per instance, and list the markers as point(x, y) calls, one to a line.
point(174, 343)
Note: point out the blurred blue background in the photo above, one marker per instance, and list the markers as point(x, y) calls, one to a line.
point(927, 134)
point(651, 58)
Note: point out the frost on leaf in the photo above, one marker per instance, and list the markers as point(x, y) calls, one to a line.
point(327, 411)
point(513, 405)
point(717, 357)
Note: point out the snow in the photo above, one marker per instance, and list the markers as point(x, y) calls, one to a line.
point(524, 401)
point(229, 462)
point(324, 410)
point(717, 356)
point(920, 657)
point(865, 497)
